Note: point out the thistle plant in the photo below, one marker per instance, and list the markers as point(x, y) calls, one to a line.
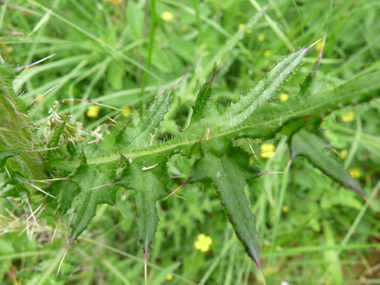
point(54, 161)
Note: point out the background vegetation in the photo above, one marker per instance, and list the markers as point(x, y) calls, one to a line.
point(120, 53)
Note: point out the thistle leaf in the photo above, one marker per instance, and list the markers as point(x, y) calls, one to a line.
point(13, 134)
point(229, 170)
point(312, 147)
point(203, 106)
point(65, 191)
point(4, 155)
point(150, 183)
point(140, 136)
point(87, 178)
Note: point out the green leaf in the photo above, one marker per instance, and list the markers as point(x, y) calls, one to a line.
point(312, 147)
point(141, 136)
point(65, 191)
point(150, 181)
point(15, 133)
point(4, 155)
point(135, 17)
point(228, 169)
point(203, 106)
point(87, 178)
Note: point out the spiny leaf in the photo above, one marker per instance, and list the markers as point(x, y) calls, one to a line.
point(203, 106)
point(150, 181)
point(229, 170)
point(13, 135)
point(87, 177)
point(309, 85)
point(57, 135)
point(312, 147)
point(263, 91)
point(268, 120)
point(65, 191)
point(141, 135)
point(4, 155)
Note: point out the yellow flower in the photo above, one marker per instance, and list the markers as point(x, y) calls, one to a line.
point(319, 46)
point(169, 276)
point(348, 117)
point(267, 150)
point(184, 29)
point(241, 26)
point(284, 97)
point(117, 2)
point(93, 111)
point(203, 243)
point(343, 153)
point(167, 16)
point(285, 209)
point(40, 98)
point(127, 110)
point(261, 37)
point(267, 52)
point(249, 31)
point(355, 173)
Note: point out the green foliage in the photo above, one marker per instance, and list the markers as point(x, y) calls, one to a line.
point(103, 55)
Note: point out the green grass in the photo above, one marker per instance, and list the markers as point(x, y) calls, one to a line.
point(312, 231)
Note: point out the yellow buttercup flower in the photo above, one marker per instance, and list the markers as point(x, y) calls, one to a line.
point(167, 16)
point(343, 153)
point(203, 243)
point(127, 110)
point(93, 111)
point(355, 173)
point(267, 52)
point(169, 276)
point(249, 31)
point(284, 97)
point(285, 209)
point(40, 99)
point(267, 150)
point(241, 26)
point(261, 37)
point(185, 29)
point(348, 117)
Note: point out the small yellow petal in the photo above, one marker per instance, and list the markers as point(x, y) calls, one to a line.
point(208, 241)
point(343, 153)
point(169, 276)
point(204, 248)
point(267, 150)
point(40, 98)
point(267, 52)
point(241, 26)
point(184, 29)
point(261, 37)
point(284, 97)
point(285, 209)
point(355, 173)
point(201, 237)
point(198, 245)
point(127, 110)
point(348, 117)
point(249, 31)
point(167, 16)
point(93, 111)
